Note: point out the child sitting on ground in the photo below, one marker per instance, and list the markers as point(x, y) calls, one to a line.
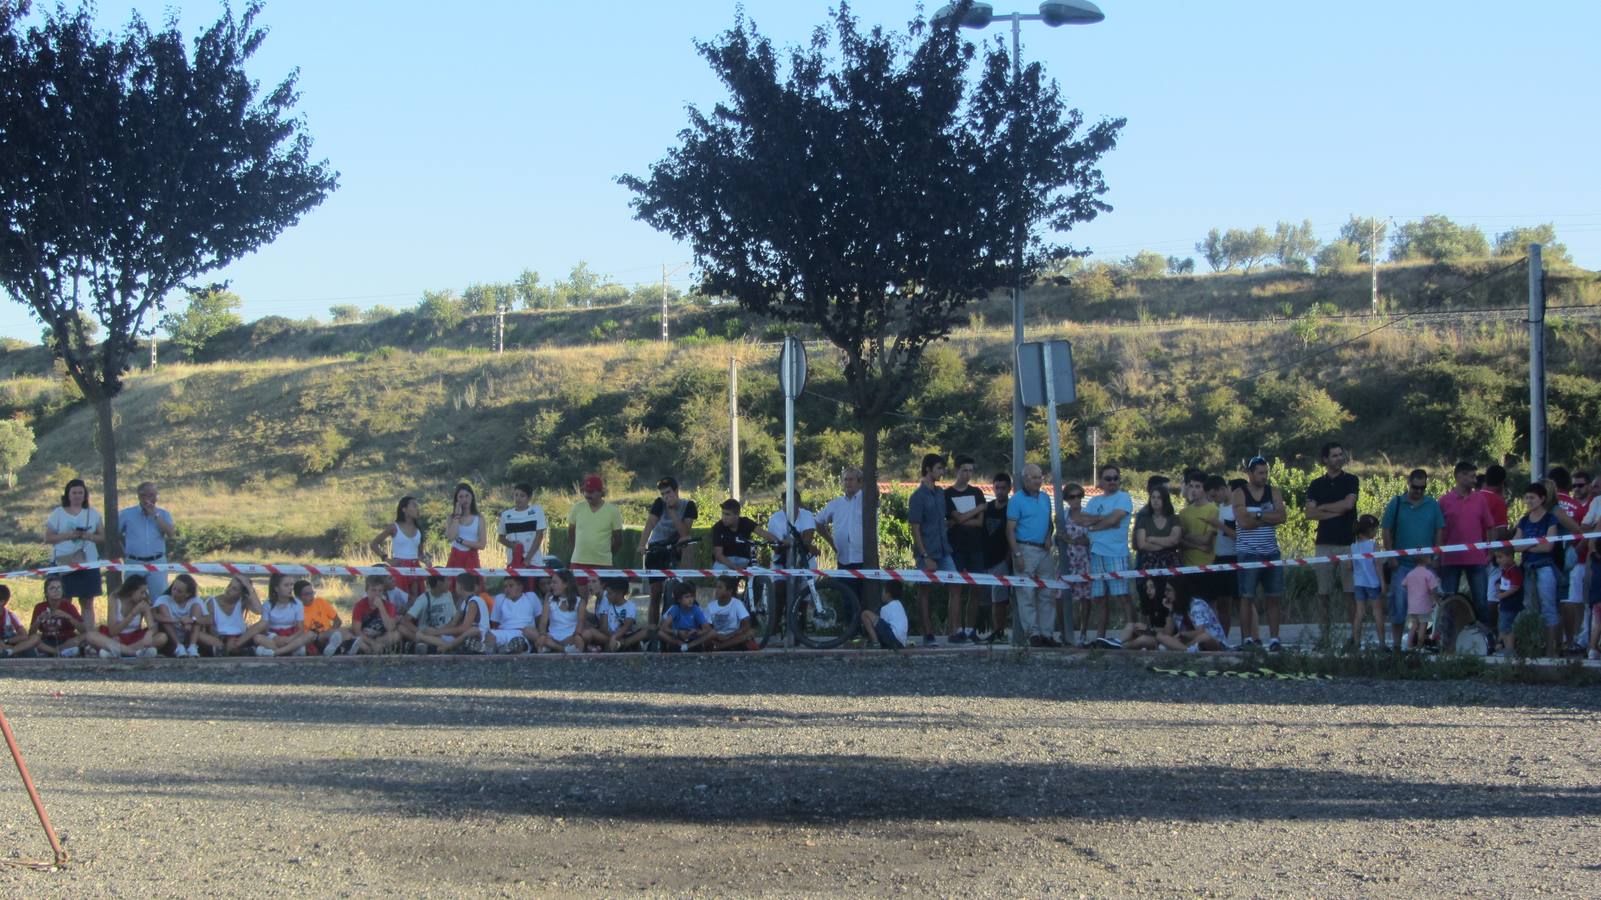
point(513, 620)
point(57, 623)
point(1422, 587)
point(730, 619)
point(374, 621)
point(15, 640)
point(684, 626)
point(182, 616)
point(1193, 624)
point(562, 615)
point(430, 622)
point(616, 625)
point(889, 626)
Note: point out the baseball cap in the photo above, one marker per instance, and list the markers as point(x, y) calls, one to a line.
point(593, 484)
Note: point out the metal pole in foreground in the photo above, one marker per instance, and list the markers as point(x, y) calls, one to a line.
point(733, 426)
point(1537, 432)
point(38, 805)
point(1019, 423)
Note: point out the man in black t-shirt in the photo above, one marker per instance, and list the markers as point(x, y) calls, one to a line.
point(731, 537)
point(671, 518)
point(964, 520)
point(997, 558)
point(1331, 503)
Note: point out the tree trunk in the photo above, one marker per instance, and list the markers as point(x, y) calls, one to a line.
point(107, 441)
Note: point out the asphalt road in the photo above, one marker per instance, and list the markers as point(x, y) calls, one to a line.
point(949, 774)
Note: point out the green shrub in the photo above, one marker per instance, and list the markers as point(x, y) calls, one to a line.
point(1528, 635)
point(23, 556)
point(323, 451)
point(197, 541)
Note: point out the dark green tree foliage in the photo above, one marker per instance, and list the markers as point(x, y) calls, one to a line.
point(130, 166)
point(1365, 234)
point(1295, 245)
point(1337, 255)
point(865, 188)
point(1437, 238)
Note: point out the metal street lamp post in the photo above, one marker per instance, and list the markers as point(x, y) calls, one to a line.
point(1052, 13)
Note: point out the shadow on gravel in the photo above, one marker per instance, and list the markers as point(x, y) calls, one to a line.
point(846, 788)
point(1000, 675)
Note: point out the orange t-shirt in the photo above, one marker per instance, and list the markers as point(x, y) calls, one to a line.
point(320, 615)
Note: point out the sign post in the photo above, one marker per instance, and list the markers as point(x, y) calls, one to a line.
point(1045, 378)
point(792, 378)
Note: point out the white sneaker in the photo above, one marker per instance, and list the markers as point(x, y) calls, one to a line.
point(299, 651)
point(1595, 654)
point(263, 651)
point(107, 654)
point(146, 652)
point(572, 648)
point(69, 653)
point(194, 651)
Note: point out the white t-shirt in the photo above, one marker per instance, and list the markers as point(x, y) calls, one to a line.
point(894, 615)
point(1223, 545)
point(193, 607)
point(516, 614)
point(726, 617)
point(615, 615)
point(62, 523)
point(563, 622)
point(284, 615)
point(430, 611)
point(521, 526)
point(845, 515)
point(228, 624)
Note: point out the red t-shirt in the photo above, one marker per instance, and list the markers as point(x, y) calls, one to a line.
point(1497, 505)
point(363, 609)
point(60, 624)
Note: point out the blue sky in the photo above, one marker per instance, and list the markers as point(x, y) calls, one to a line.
point(479, 139)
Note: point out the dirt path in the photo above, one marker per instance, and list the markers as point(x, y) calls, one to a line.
point(931, 775)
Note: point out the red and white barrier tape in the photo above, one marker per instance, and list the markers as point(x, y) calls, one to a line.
point(914, 576)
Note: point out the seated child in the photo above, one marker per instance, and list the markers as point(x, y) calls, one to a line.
point(15, 640)
point(374, 622)
point(729, 617)
point(684, 626)
point(616, 626)
point(129, 631)
point(182, 616)
point(430, 623)
point(513, 621)
point(889, 626)
point(322, 620)
point(226, 633)
point(562, 615)
point(57, 622)
point(1192, 625)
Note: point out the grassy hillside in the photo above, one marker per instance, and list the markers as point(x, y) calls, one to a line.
point(295, 455)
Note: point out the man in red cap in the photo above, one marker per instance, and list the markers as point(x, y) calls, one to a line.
point(594, 527)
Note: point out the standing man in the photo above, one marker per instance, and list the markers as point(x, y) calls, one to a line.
point(1198, 546)
point(964, 514)
point(840, 524)
point(1331, 503)
point(1028, 532)
point(1411, 520)
point(931, 546)
point(1109, 543)
point(594, 528)
point(1468, 520)
point(669, 521)
point(997, 559)
point(1258, 512)
point(145, 529)
point(522, 530)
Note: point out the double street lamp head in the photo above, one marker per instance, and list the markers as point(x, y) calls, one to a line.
point(1052, 13)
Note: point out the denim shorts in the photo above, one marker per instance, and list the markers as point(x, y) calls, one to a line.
point(1540, 586)
point(941, 564)
point(1505, 618)
point(1366, 594)
point(1271, 580)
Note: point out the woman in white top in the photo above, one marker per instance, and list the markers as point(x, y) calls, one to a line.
point(129, 627)
point(465, 530)
point(405, 543)
point(182, 615)
point(226, 633)
point(75, 531)
point(285, 616)
point(562, 615)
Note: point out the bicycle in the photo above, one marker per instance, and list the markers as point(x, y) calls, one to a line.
point(663, 555)
point(827, 615)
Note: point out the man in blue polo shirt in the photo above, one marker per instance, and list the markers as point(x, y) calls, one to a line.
point(1411, 520)
point(145, 529)
point(1028, 531)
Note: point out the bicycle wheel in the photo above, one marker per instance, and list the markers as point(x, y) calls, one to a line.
point(825, 615)
point(759, 602)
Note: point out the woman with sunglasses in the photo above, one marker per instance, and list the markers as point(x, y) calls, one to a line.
point(1073, 558)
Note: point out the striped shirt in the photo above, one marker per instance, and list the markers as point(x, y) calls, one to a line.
point(1262, 541)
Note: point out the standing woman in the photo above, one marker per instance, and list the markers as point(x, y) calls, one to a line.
point(405, 543)
point(76, 531)
point(465, 530)
point(1073, 545)
point(1157, 535)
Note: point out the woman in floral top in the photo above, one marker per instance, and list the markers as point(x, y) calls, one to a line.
point(1073, 540)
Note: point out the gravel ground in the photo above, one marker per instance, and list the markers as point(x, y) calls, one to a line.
point(931, 773)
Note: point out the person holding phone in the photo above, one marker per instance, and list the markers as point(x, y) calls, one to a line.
point(75, 531)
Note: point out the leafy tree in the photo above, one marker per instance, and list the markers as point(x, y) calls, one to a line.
point(442, 310)
point(344, 314)
point(378, 313)
point(579, 288)
point(1248, 248)
point(16, 447)
point(1176, 266)
point(872, 196)
point(1365, 234)
point(1294, 245)
point(1146, 264)
point(90, 325)
point(531, 293)
point(479, 299)
point(1337, 255)
point(210, 312)
point(128, 168)
point(1437, 238)
point(1516, 243)
point(1214, 251)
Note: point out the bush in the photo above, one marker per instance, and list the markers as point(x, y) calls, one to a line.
point(1528, 635)
point(196, 541)
point(23, 556)
point(323, 451)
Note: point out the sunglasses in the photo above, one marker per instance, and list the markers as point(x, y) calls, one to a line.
point(1111, 478)
point(1075, 496)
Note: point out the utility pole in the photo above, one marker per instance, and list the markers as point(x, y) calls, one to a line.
point(500, 321)
point(730, 362)
point(1537, 433)
point(733, 419)
point(152, 351)
point(666, 273)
